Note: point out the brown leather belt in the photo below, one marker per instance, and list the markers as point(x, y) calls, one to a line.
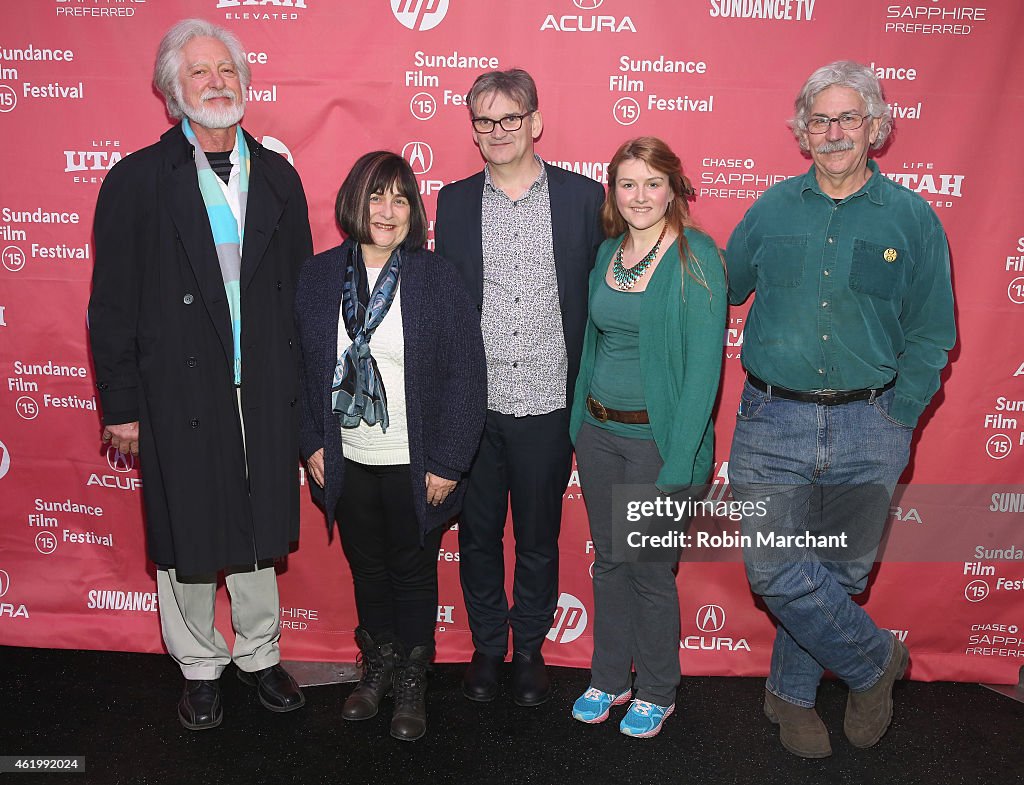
point(603, 414)
point(820, 397)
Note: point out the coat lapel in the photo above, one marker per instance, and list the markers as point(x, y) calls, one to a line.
point(262, 212)
point(188, 212)
point(559, 224)
point(475, 241)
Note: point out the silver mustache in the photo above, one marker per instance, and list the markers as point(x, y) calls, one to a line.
point(838, 146)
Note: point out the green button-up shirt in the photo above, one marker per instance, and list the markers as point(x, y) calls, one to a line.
point(849, 294)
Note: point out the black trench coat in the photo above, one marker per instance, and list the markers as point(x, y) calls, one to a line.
point(162, 348)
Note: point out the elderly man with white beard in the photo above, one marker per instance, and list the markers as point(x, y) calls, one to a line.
point(199, 239)
point(850, 326)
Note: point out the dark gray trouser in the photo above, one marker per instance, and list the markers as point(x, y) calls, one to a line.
point(636, 606)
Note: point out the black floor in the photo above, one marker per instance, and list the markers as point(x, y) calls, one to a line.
point(118, 710)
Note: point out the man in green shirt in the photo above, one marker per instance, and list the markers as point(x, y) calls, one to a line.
point(843, 345)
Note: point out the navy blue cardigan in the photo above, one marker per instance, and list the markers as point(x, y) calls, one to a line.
point(445, 376)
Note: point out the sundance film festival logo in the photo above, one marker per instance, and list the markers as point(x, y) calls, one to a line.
point(710, 618)
point(420, 157)
point(419, 14)
point(119, 461)
point(14, 258)
point(46, 542)
point(8, 98)
point(570, 620)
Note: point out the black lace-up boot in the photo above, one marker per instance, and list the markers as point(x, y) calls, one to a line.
point(409, 721)
point(378, 671)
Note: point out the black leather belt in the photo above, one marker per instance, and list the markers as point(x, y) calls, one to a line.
point(821, 397)
point(603, 414)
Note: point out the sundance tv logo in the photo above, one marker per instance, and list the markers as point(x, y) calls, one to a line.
point(419, 14)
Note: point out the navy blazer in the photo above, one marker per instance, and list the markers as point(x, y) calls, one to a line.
point(575, 232)
point(445, 376)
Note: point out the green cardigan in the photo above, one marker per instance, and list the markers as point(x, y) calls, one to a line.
point(681, 344)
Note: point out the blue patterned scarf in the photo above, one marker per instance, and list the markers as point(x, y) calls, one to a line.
point(227, 232)
point(358, 391)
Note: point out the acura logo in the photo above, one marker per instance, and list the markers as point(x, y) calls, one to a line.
point(420, 157)
point(419, 14)
point(710, 618)
point(119, 461)
point(5, 582)
point(587, 5)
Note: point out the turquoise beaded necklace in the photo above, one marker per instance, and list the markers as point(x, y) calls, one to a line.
point(627, 277)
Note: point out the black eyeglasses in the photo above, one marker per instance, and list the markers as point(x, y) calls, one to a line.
point(510, 122)
point(848, 121)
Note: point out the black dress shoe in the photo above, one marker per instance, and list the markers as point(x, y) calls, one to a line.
point(530, 683)
point(199, 707)
point(480, 681)
point(276, 689)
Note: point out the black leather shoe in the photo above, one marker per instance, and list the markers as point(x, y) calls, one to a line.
point(480, 681)
point(199, 707)
point(530, 683)
point(276, 689)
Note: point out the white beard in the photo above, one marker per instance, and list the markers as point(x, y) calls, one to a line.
point(214, 117)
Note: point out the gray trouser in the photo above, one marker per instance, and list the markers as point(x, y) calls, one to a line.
point(636, 605)
point(187, 623)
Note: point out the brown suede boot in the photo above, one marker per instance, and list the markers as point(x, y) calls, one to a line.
point(869, 713)
point(801, 730)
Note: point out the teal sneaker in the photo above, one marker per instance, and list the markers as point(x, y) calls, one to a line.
point(644, 719)
point(593, 705)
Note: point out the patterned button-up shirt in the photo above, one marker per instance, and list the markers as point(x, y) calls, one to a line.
point(521, 319)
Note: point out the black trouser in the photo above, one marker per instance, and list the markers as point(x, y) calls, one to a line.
point(528, 459)
point(395, 578)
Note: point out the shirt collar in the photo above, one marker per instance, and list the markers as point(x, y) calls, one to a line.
point(872, 188)
point(542, 178)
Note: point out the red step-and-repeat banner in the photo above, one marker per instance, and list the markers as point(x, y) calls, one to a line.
point(333, 79)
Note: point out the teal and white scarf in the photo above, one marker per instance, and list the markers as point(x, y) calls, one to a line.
point(227, 232)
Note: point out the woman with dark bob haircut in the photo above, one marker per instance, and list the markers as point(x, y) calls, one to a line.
point(641, 420)
point(394, 392)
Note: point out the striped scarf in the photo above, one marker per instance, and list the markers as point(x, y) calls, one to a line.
point(227, 233)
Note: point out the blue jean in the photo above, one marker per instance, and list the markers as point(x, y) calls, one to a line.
point(828, 470)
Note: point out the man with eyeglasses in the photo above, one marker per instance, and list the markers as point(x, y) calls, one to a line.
point(850, 326)
point(523, 235)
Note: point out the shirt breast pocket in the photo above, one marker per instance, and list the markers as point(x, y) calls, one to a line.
point(781, 260)
point(878, 270)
